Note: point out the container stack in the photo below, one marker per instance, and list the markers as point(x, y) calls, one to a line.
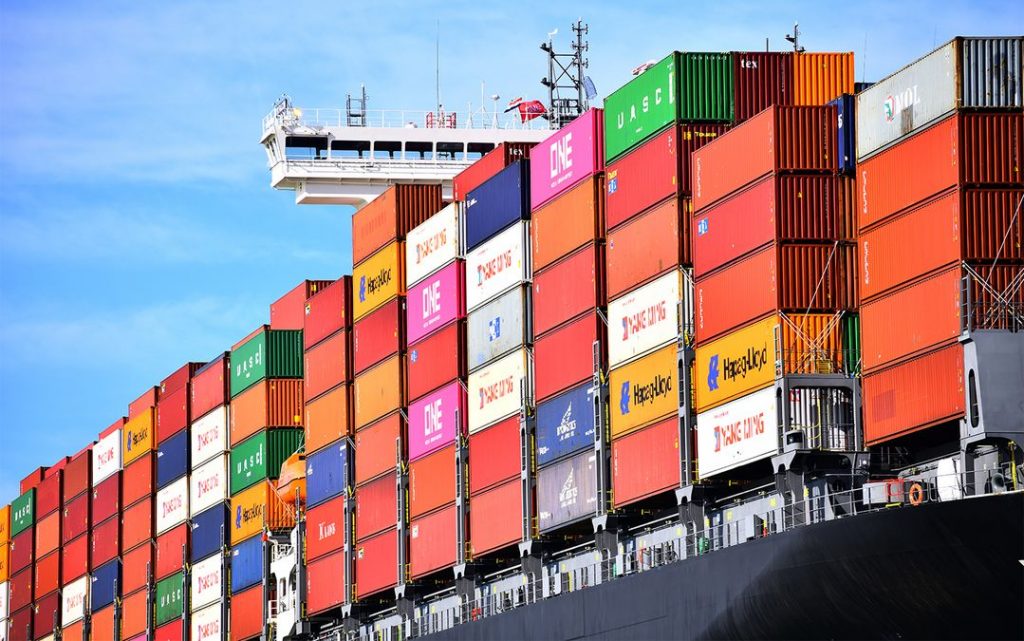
point(48, 526)
point(498, 273)
point(23, 540)
point(435, 366)
point(939, 188)
point(379, 401)
point(104, 552)
point(5, 567)
point(774, 276)
point(327, 339)
point(74, 549)
point(567, 248)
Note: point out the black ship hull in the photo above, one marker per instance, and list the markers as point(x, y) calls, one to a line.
point(938, 571)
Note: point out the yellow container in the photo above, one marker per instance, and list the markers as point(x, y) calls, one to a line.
point(378, 279)
point(5, 524)
point(137, 436)
point(259, 508)
point(644, 391)
point(821, 77)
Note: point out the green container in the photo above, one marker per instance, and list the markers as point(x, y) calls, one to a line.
point(682, 87)
point(851, 343)
point(273, 353)
point(23, 512)
point(260, 456)
point(170, 599)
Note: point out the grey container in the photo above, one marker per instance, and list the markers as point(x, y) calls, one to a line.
point(567, 491)
point(964, 73)
point(499, 327)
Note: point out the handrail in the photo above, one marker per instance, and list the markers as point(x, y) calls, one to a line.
point(320, 117)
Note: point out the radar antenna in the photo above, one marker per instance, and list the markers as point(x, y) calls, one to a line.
point(568, 89)
point(794, 38)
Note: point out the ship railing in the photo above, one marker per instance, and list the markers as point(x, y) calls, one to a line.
point(319, 118)
point(280, 551)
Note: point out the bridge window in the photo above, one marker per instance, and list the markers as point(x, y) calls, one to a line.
point(387, 150)
point(305, 147)
point(419, 151)
point(476, 150)
point(451, 151)
point(350, 148)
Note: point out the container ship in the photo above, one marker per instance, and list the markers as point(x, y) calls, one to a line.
point(739, 355)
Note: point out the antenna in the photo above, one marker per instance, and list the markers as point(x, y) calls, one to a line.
point(437, 64)
point(565, 73)
point(795, 38)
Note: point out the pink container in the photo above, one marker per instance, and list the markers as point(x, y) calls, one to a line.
point(436, 419)
point(436, 301)
point(567, 157)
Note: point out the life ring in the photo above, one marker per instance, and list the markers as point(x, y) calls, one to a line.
point(916, 494)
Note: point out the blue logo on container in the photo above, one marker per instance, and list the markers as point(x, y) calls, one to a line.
point(624, 399)
point(494, 329)
point(238, 516)
point(702, 227)
point(130, 439)
point(414, 355)
point(713, 373)
point(613, 185)
point(362, 289)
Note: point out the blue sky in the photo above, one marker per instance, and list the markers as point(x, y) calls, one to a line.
point(137, 228)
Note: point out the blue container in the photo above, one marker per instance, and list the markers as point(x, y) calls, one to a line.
point(106, 581)
point(498, 203)
point(247, 563)
point(326, 473)
point(565, 424)
point(846, 105)
point(207, 528)
point(172, 459)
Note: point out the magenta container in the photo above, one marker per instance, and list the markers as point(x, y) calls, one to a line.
point(436, 419)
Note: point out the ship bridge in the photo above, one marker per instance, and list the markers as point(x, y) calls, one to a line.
point(337, 156)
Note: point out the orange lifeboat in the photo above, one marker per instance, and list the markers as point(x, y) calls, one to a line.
point(293, 479)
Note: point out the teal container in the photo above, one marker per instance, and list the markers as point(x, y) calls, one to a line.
point(23, 512)
point(260, 456)
point(271, 353)
point(706, 89)
point(170, 599)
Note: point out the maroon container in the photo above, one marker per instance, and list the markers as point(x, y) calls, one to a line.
point(760, 79)
point(438, 359)
point(170, 546)
point(23, 550)
point(568, 288)
point(145, 401)
point(327, 311)
point(565, 356)
point(34, 478)
point(378, 335)
point(46, 615)
point(210, 386)
point(20, 625)
point(20, 587)
point(76, 518)
point(139, 479)
point(49, 493)
point(487, 167)
point(78, 474)
point(105, 541)
point(74, 559)
point(106, 498)
point(172, 413)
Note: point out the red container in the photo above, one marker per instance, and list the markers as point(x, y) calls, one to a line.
point(494, 455)
point(964, 149)
point(115, 426)
point(210, 387)
point(74, 559)
point(377, 447)
point(568, 288)
point(106, 498)
point(487, 167)
point(172, 413)
point(325, 582)
point(328, 418)
point(20, 589)
point(33, 480)
point(105, 541)
point(378, 335)
point(74, 632)
point(325, 528)
point(327, 365)
point(496, 518)
point(654, 171)
point(432, 481)
point(390, 216)
point(914, 395)
point(139, 479)
point(565, 356)
point(102, 624)
point(46, 615)
point(23, 550)
point(775, 208)
point(134, 615)
point(145, 401)
point(790, 278)
point(78, 475)
point(327, 312)
point(136, 567)
point(137, 523)
point(76, 518)
point(376, 564)
point(171, 550)
point(289, 311)
point(47, 577)
point(569, 221)
point(20, 624)
point(173, 631)
point(247, 614)
point(777, 139)
point(376, 507)
point(179, 379)
point(647, 246)
point(760, 79)
point(48, 534)
point(927, 314)
point(57, 467)
point(436, 360)
point(49, 493)
point(433, 542)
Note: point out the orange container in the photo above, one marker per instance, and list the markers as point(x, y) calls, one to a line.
point(102, 624)
point(647, 246)
point(5, 524)
point(247, 614)
point(432, 481)
point(137, 523)
point(136, 567)
point(134, 614)
point(48, 534)
point(328, 418)
point(391, 215)
point(256, 508)
point(378, 446)
point(911, 320)
point(327, 365)
point(74, 632)
point(47, 574)
point(378, 391)
point(568, 222)
point(496, 518)
point(433, 542)
point(821, 77)
point(275, 402)
point(139, 479)
point(376, 507)
point(137, 436)
point(914, 395)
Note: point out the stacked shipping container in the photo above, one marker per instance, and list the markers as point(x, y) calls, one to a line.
point(5, 559)
point(939, 147)
point(104, 551)
point(74, 548)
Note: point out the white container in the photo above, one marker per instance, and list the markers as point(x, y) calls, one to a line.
point(498, 327)
point(433, 244)
point(207, 582)
point(497, 391)
point(172, 505)
point(498, 265)
point(208, 485)
point(209, 436)
point(106, 457)
point(737, 433)
point(74, 600)
point(208, 625)
point(644, 319)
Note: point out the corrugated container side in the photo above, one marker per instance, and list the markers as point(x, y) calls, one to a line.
point(438, 299)
point(289, 311)
point(146, 400)
point(378, 335)
point(137, 436)
point(846, 132)
point(914, 394)
point(256, 508)
point(48, 534)
point(136, 567)
point(327, 311)
point(138, 479)
point(565, 355)
point(705, 87)
point(565, 424)
point(376, 561)
point(77, 479)
point(270, 403)
point(210, 386)
point(106, 498)
point(105, 541)
point(73, 632)
point(247, 566)
point(497, 203)
point(172, 631)
point(260, 457)
point(210, 530)
point(325, 527)
point(568, 288)
point(761, 79)
point(327, 473)
point(494, 455)
point(436, 360)
point(327, 365)
point(171, 551)
point(434, 244)
point(820, 77)
point(498, 327)
point(135, 614)
point(378, 447)
point(209, 485)
point(137, 523)
point(47, 575)
point(496, 520)
point(641, 107)
point(20, 587)
point(74, 558)
point(489, 165)
point(498, 390)
point(437, 419)
point(328, 418)
point(46, 615)
point(498, 265)
point(646, 462)
point(76, 518)
point(376, 503)
point(325, 583)
point(246, 614)
point(172, 413)
point(643, 391)
point(567, 157)
point(48, 493)
point(103, 623)
point(648, 245)
point(432, 481)
point(270, 353)
point(379, 391)
point(209, 436)
point(646, 318)
point(23, 550)
point(433, 542)
point(568, 222)
point(172, 459)
point(390, 216)
point(20, 624)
